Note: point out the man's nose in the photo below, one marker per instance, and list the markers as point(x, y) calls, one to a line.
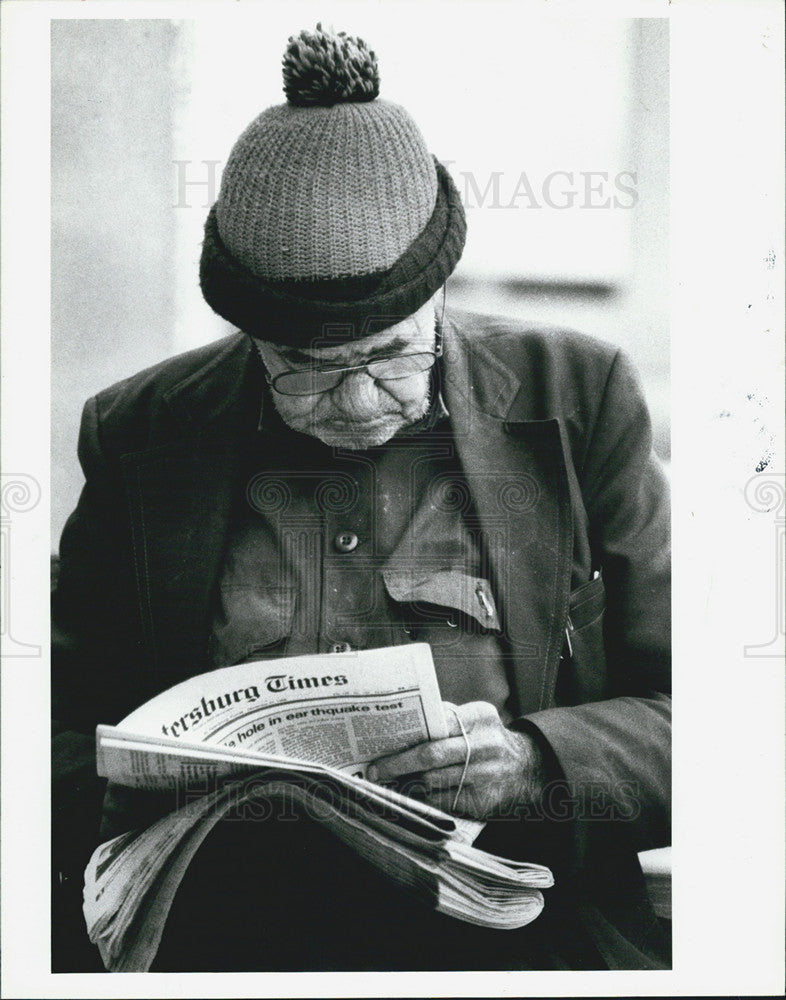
point(356, 394)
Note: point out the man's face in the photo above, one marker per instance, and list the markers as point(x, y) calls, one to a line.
point(361, 411)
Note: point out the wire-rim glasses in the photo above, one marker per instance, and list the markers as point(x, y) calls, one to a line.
point(313, 381)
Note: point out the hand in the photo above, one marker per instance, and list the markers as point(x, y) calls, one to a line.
point(505, 768)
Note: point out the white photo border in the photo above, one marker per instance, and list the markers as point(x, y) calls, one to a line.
point(727, 341)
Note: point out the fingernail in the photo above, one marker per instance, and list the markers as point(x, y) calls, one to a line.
point(372, 772)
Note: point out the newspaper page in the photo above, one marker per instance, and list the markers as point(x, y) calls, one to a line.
point(340, 709)
point(130, 883)
point(154, 763)
point(129, 886)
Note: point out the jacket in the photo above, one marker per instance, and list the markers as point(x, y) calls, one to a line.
point(554, 439)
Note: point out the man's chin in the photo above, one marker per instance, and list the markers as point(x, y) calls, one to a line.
point(354, 436)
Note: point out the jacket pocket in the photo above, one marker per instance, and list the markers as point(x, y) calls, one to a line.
point(582, 674)
point(252, 623)
point(443, 602)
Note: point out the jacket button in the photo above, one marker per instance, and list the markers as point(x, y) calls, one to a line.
point(340, 647)
point(345, 541)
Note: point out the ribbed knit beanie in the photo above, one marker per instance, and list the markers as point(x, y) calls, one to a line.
point(332, 214)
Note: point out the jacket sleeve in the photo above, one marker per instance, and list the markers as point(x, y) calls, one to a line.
point(615, 754)
point(96, 657)
point(95, 648)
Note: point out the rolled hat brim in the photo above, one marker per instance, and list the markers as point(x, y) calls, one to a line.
point(297, 313)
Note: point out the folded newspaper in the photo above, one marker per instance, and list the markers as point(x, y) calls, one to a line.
point(303, 729)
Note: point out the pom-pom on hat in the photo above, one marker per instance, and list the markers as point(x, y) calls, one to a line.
point(331, 209)
point(325, 69)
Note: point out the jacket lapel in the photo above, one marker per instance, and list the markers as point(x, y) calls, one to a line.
point(516, 472)
point(180, 496)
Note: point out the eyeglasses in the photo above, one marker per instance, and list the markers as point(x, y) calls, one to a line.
point(313, 381)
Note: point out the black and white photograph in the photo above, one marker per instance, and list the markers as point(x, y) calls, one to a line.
point(372, 416)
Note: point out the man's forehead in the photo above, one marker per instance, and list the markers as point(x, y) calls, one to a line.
point(375, 345)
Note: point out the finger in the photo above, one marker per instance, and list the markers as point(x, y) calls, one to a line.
point(423, 757)
point(477, 799)
point(466, 803)
point(463, 718)
point(451, 718)
point(432, 782)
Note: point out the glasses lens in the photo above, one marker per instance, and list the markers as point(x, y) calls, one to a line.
point(306, 382)
point(401, 367)
point(312, 382)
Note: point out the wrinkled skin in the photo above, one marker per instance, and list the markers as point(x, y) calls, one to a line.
point(360, 412)
point(504, 770)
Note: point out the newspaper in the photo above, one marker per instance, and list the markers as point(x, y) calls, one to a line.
point(305, 729)
point(340, 709)
point(158, 764)
point(131, 881)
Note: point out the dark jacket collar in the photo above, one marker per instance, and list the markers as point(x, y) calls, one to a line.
point(476, 377)
point(223, 386)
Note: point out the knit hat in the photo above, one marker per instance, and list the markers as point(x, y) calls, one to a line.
point(331, 210)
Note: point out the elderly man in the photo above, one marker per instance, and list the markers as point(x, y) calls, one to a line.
point(357, 469)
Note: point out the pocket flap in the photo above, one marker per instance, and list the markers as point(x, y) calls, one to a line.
point(448, 588)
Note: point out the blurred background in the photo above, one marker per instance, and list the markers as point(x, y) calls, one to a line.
point(554, 129)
